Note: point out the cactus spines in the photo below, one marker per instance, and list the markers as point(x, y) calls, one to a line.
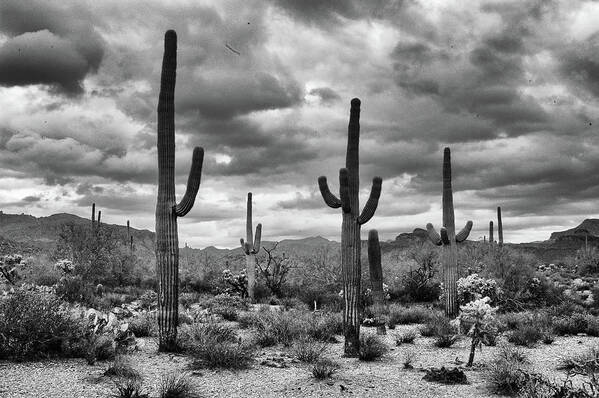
point(349, 185)
point(251, 247)
point(167, 209)
point(499, 227)
point(376, 278)
point(448, 239)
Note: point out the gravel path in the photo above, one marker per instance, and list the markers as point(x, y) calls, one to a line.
point(385, 378)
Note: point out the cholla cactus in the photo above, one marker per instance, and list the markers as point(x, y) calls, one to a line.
point(480, 317)
point(65, 266)
point(474, 287)
point(8, 267)
point(238, 283)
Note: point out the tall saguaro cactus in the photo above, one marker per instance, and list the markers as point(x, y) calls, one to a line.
point(448, 239)
point(349, 181)
point(251, 247)
point(491, 233)
point(376, 278)
point(167, 209)
point(499, 227)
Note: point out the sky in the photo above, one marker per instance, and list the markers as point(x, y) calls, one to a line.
point(511, 87)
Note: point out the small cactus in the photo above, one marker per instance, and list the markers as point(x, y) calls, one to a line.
point(251, 247)
point(376, 278)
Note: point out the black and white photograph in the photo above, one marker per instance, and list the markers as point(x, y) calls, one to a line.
point(299, 198)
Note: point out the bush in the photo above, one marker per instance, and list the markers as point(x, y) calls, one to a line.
point(407, 315)
point(404, 338)
point(446, 376)
point(324, 326)
point(217, 354)
point(121, 367)
point(585, 362)
point(228, 313)
point(202, 333)
point(372, 347)
point(75, 290)
point(100, 348)
point(174, 385)
point(34, 324)
point(525, 335)
point(184, 319)
point(505, 375)
point(437, 325)
point(445, 340)
point(129, 387)
point(573, 324)
point(144, 325)
point(408, 358)
point(324, 368)
point(307, 349)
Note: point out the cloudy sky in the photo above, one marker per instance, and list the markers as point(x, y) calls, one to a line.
point(511, 86)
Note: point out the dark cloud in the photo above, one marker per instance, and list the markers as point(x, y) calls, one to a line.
point(326, 94)
point(226, 96)
point(579, 64)
point(47, 45)
point(31, 199)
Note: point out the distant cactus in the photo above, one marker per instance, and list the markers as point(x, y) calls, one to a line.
point(129, 238)
point(491, 232)
point(251, 247)
point(448, 239)
point(167, 209)
point(349, 181)
point(499, 227)
point(376, 278)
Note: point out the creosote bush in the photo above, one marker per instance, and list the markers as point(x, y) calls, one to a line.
point(406, 315)
point(122, 368)
point(129, 387)
point(525, 335)
point(372, 347)
point(505, 375)
point(143, 325)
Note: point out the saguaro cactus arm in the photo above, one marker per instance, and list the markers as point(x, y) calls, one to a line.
point(330, 199)
point(463, 234)
point(193, 183)
point(257, 239)
point(433, 235)
point(373, 201)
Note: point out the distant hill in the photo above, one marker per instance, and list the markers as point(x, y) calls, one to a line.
point(30, 235)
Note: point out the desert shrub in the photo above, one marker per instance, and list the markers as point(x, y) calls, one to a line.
point(173, 385)
point(585, 362)
point(324, 368)
point(202, 333)
point(446, 376)
point(323, 326)
point(129, 387)
point(227, 300)
point(407, 315)
point(184, 319)
point(228, 313)
point(101, 348)
point(121, 367)
point(34, 324)
point(573, 324)
point(505, 375)
point(437, 325)
point(445, 340)
point(405, 338)
point(74, 289)
point(212, 353)
point(143, 325)
point(525, 335)
point(307, 349)
point(409, 357)
point(294, 303)
point(187, 299)
point(372, 347)
point(148, 300)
